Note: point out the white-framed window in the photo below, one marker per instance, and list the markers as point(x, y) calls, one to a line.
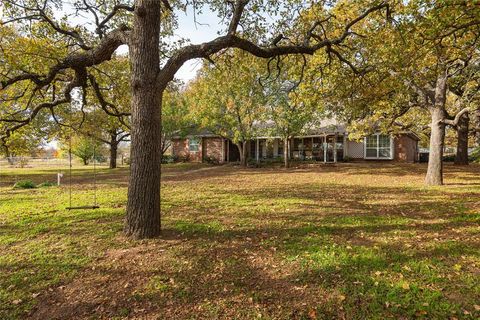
point(379, 146)
point(193, 144)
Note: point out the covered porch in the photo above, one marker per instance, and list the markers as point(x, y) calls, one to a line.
point(327, 148)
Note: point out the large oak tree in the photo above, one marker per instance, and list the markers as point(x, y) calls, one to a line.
point(144, 26)
point(409, 63)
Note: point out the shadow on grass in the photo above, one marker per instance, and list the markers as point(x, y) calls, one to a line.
point(340, 251)
point(279, 272)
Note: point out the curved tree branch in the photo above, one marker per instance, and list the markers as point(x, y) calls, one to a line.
point(231, 40)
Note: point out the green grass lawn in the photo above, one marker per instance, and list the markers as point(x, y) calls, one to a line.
point(352, 241)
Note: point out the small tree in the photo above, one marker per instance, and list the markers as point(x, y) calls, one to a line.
point(228, 100)
point(409, 63)
point(289, 113)
point(86, 149)
point(176, 118)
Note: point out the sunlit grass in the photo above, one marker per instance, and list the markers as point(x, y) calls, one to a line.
point(354, 241)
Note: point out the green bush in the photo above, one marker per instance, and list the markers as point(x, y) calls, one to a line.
point(46, 184)
point(211, 160)
point(24, 184)
point(166, 159)
point(449, 158)
point(475, 156)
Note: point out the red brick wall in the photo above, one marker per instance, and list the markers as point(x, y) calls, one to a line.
point(405, 149)
point(212, 148)
point(180, 149)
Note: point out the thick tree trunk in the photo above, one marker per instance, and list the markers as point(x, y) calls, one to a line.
point(461, 158)
point(9, 156)
point(113, 151)
point(477, 127)
point(435, 159)
point(437, 139)
point(286, 153)
point(143, 209)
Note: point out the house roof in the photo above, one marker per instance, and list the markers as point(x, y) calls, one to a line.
point(326, 126)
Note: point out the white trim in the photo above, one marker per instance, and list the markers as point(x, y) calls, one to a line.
point(223, 151)
point(335, 148)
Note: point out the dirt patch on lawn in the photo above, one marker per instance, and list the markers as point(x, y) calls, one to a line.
point(178, 276)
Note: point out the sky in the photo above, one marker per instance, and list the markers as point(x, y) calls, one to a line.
point(197, 34)
point(205, 30)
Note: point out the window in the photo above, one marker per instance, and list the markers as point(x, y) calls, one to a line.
point(193, 144)
point(371, 146)
point(339, 147)
point(280, 148)
point(378, 146)
point(298, 144)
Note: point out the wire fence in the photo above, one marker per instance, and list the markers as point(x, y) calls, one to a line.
point(50, 163)
point(16, 169)
point(31, 162)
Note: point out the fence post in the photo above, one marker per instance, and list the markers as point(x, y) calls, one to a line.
point(59, 178)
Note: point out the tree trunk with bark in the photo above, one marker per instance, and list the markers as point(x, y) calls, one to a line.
point(461, 157)
point(9, 156)
point(242, 149)
point(477, 127)
point(437, 138)
point(113, 151)
point(143, 209)
point(286, 153)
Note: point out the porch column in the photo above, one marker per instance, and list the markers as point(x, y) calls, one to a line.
point(258, 150)
point(335, 148)
point(290, 150)
point(325, 147)
point(345, 145)
point(313, 158)
point(228, 150)
point(303, 149)
point(223, 151)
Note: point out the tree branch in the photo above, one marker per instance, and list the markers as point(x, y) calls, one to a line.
point(237, 15)
point(233, 41)
point(102, 52)
point(454, 122)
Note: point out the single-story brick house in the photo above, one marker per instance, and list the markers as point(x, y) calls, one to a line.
point(327, 144)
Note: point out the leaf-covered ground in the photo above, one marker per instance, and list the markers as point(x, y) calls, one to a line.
point(351, 241)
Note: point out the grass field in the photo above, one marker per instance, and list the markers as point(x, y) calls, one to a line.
point(352, 241)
